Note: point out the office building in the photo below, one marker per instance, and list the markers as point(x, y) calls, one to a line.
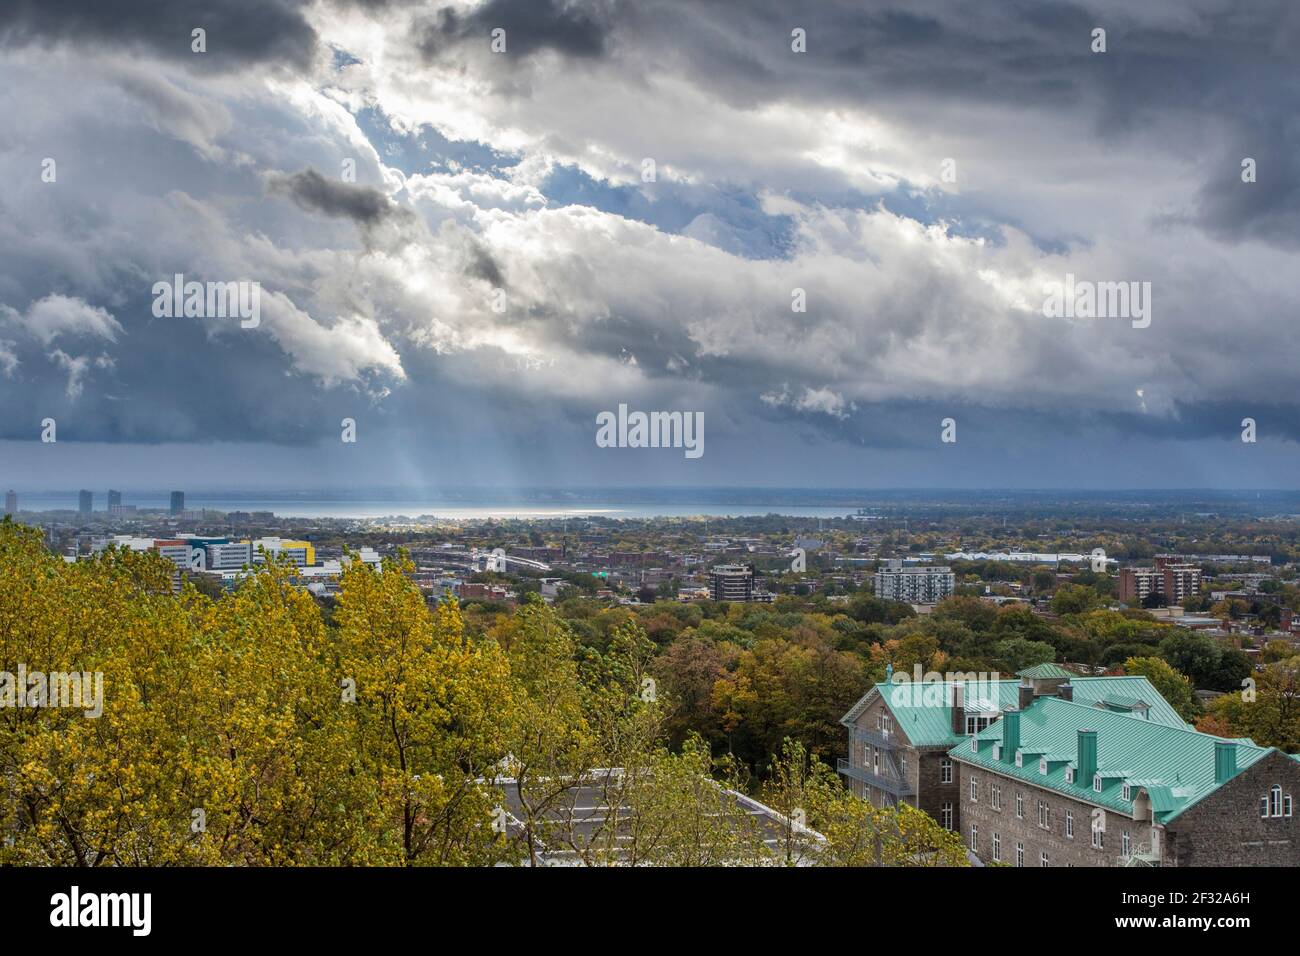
point(85, 502)
point(11, 502)
point(114, 502)
point(301, 553)
point(732, 582)
point(914, 585)
point(178, 502)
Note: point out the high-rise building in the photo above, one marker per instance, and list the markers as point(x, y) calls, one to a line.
point(732, 582)
point(86, 502)
point(114, 502)
point(178, 502)
point(11, 502)
point(914, 585)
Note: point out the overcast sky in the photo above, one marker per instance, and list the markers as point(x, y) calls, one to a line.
point(523, 171)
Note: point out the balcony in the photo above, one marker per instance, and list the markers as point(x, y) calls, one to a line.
point(898, 788)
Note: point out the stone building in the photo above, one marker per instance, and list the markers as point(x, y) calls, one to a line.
point(1061, 782)
point(901, 731)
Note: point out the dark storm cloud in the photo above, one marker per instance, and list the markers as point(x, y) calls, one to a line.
point(1234, 66)
point(313, 192)
point(239, 32)
point(573, 29)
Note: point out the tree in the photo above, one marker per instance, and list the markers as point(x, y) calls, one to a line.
point(1073, 599)
point(1196, 655)
point(1269, 712)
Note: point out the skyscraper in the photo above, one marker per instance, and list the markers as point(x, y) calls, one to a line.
point(86, 502)
point(178, 502)
point(114, 502)
point(11, 502)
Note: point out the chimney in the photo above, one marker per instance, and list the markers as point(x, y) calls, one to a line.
point(1086, 763)
point(1010, 735)
point(958, 709)
point(1066, 691)
point(1225, 761)
point(1026, 694)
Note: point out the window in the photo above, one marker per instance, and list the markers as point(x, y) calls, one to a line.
point(1069, 775)
point(997, 848)
point(1042, 766)
point(1125, 843)
point(1098, 839)
point(974, 790)
point(1286, 805)
point(974, 838)
point(1042, 858)
point(1127, 794)
point(880, 722)
point(974, 745)
point(977, 722)
point(1020, 805)
point(1263, 807)
point(1044, 815)
point(995, 797)
point(1020, 759)
point(875, 760)
point(945, 816)
point(1096, 783)
point(1020, 854)
point(887, 725)
point(945, 770)
point(1275, 802)
point(902, 765)
point(1069, 824)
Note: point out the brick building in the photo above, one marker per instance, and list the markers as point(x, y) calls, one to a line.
point(1064, 783)
point(1172, 580)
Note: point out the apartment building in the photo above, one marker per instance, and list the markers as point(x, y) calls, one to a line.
point(732, 582)
point(902, 732)
point(914, 585)
point(1061, 782)
point(1173, 581)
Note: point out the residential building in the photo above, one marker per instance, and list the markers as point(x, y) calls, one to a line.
point(85, 502)
point(927, 584)
point(1174, 583)
point(177, 502)
point(902, 732)
point(11, 502)
point(114, 502)
point(732, 582)
point(1089, 786)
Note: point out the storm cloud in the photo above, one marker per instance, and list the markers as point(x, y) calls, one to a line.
point(662, 203)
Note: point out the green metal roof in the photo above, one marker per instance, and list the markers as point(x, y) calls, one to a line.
point(922, 711)
point(1045, 672)
point(1175, 764)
